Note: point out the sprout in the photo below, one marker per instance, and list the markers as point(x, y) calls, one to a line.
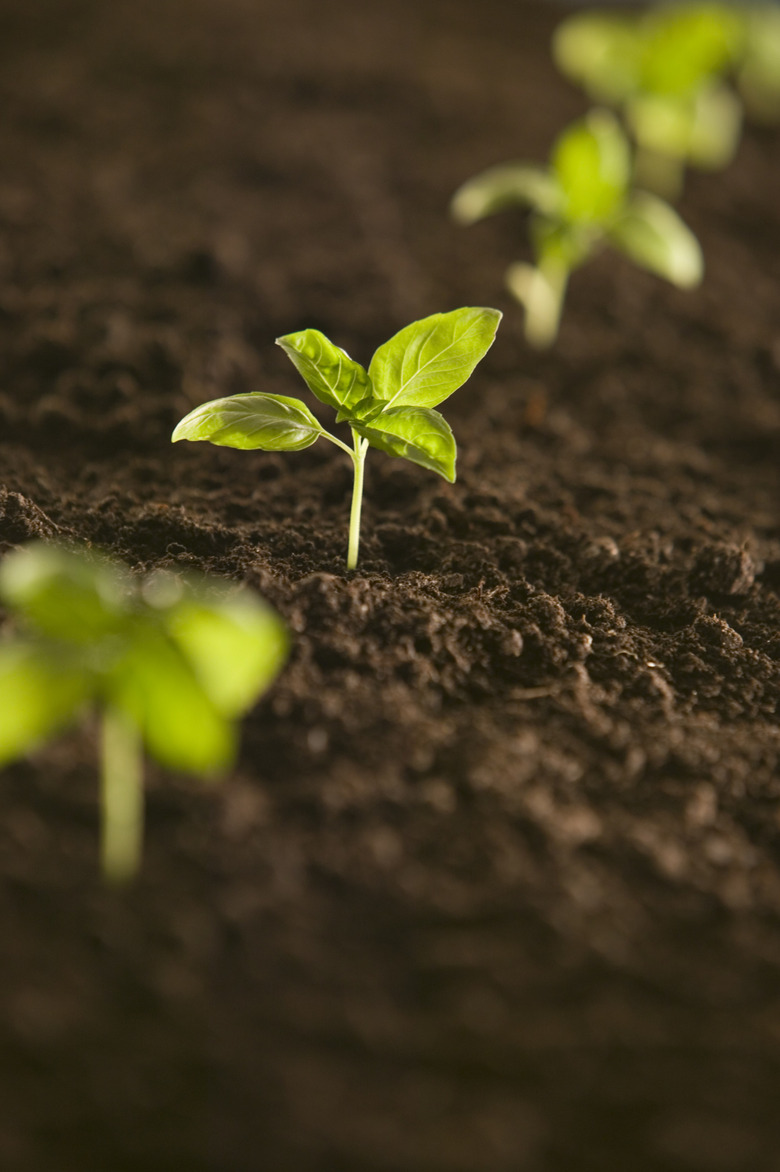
point(580, 202)
point(168, 663)
point(664, 69)
point(389, 406)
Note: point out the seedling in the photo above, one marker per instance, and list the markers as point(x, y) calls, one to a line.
point(389, 406)
point(665, 70)
point(580, 202)
point(168, 664)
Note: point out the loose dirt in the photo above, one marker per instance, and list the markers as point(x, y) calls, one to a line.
point(495, 886)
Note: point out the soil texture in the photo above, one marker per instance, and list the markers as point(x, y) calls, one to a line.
point(495, 886)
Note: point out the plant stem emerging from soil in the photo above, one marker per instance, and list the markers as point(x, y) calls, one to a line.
point(122, 796)
point(357, 455)
point(541, 291)
point(359, 462)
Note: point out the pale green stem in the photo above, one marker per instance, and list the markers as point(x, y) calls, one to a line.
point(122, 796)
point(358, 457)
point(541, 290)
point(359, 462)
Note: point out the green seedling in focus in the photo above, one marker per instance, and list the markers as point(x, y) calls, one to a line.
point(581, 202)
point(665, 70)
point(390, 406)
point(168, 664)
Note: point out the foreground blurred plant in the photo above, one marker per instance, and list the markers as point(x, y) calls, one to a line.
point(665, 70)
point(389, 406)
point(580, 202)
point(167, 663)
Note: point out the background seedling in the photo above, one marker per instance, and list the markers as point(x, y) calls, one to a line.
point(665, 70)
point(389, 406)
point(581, 201)
point(167, 663)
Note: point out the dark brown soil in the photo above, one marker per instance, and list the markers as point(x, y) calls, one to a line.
point(496, 884)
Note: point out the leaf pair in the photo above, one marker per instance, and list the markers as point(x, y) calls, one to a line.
point(581, 200)
point(169, 663)
point(390, 405)
point(181, 658)
point(672, 49)
point(665, 69)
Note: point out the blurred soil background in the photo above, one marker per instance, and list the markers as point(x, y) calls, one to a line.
point(496, 884)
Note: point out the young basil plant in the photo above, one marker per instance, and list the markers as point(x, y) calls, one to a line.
point(168, 663)
point(665, 70)
point(390, 406)
point(580, 202)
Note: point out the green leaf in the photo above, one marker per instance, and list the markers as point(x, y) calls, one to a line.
point(272, 423)
point(42, 693)
point(716, 127)
point(653, 235)
point(568, 245)
point(424, 363)
point(506, 186)
point(64, 593)
point(180, 725)
point(703, 129)
point(600, 51)
point(329, 372)
point(236, 646)
point(686, 45)
point(662, 124)
point(418, 434)
point(592, 163)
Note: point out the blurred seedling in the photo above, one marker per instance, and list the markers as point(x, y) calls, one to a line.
point(580, 202)
point(665, 70)
point(168, 664)
point(390, 406)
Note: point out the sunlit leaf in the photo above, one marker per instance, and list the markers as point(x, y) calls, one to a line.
point(600, 51)
point(506, 186)
point(41, 694)
point(662, 124)
point(592, 163)
point(652, 234)
point(272, 423)
point(180, 724)
point(564, 244)
point(65, 594)
point(418, 434)
point(329, 372)
point(236, 646)
point(685, 45)
point(424, 363)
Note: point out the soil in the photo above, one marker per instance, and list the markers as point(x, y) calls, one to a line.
point(495, 886)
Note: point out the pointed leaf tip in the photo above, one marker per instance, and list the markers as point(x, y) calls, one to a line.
point(424, 363)
point(653, 235)
point(328, 371)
